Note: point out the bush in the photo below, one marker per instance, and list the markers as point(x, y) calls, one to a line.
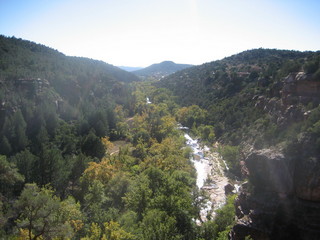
point(231, 155)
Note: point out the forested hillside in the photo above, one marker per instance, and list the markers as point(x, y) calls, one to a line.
point(46, 93)
point(229, 89)
point(84, 156)
point(54, 111)
point(24, 59)
point(263, 104)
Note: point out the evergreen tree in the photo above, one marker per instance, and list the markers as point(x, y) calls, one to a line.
point(26, 163)
point(5, 146)
point(92, 146)
point(43, 216)
point(15, 128)
point(9, 176)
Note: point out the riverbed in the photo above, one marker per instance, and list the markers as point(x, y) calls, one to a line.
point(210, 175)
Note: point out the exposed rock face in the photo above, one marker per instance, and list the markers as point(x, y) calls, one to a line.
point(296, 88)
point(284, 201)
point(33, 85)
point(300, 88)
point(269, 170)
point(307, 180)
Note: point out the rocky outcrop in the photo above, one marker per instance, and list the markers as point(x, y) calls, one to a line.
point(307, 179)
point(283, 200)
point(32, 85)
point(286, 96)
point(269, 170)
point(300, 88)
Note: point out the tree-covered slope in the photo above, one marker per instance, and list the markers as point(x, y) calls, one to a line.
point(160, 70)
point(55, 108)
point(266, 104)
point(224, 78)
point(229, 88)
point(24, 59)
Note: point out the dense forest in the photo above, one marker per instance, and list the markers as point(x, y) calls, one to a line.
point(236, 92)
point(84, 155)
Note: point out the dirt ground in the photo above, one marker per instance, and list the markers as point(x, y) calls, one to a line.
point(116, 146)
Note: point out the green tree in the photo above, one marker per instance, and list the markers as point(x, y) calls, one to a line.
point(39, 214)
point(192, 115)
point(116, 190)
point(41, 140)
point(232, 156)
point(221, 225)
point(207, 132)
point(138, 197)
point(19, 138)
point(80, 163)
point(26, 163)
point(94, 202)
point(5, 146)
point(110, 231)
point(113, 231)
point(225, 215)
point(158, 225)
point(92, 146)
point(3, 220)
point(9, 176)
point(52, 168)
point(99, 122)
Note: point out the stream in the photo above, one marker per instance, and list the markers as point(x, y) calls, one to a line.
point(201, 164)
point(210, 175)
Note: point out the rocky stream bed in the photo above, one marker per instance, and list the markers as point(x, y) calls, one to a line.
point(210, 175)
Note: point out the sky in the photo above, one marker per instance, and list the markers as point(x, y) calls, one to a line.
point(139, 33)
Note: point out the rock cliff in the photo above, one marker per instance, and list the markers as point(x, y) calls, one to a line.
point(286, 97)
point(282, 199)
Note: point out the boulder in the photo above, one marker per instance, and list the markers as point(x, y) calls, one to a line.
point(228, 189)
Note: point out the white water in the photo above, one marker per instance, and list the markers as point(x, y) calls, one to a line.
point(225, 164)
point(202, 167)
point(237, 188)
point(180, 127)
point(200, 163)
point(208, 167)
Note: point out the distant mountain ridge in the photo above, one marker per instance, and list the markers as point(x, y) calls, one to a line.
point(159, 70)
point(130, 69)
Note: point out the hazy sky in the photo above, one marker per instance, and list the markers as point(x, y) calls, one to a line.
point(142, 32)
